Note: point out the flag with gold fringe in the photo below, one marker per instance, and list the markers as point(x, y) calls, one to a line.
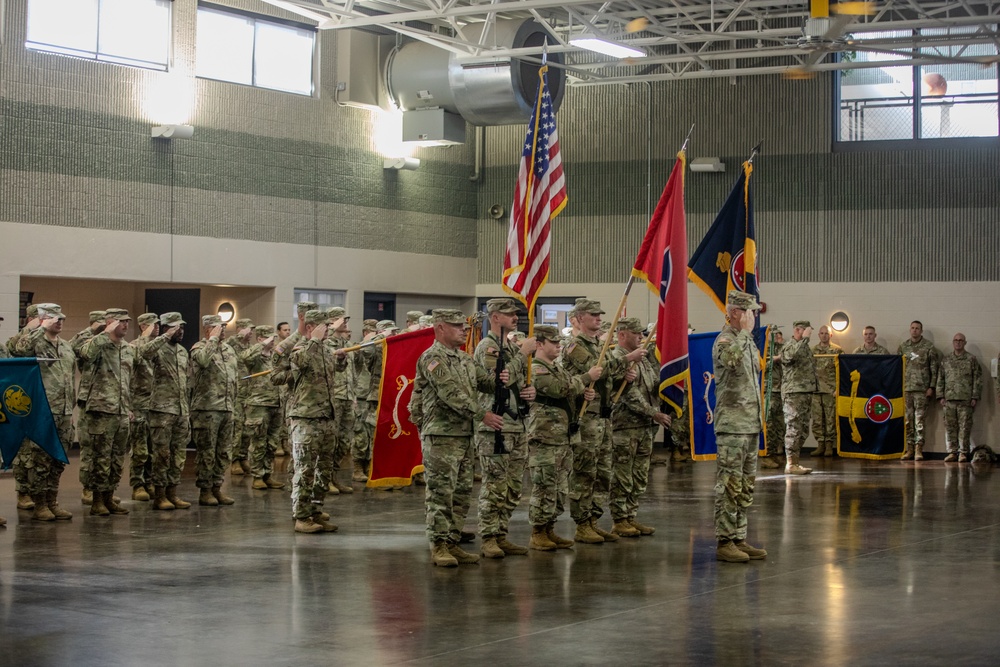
point(396, 454)
point(870, 407)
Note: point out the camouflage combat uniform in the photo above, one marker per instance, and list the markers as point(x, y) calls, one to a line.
point(344, 407)
point(922, 364)
point(212, 381)
point(737, 429)
point(76, 343)
point(959, 384)
point(632, 435)
point(775, 407)
point(878, 349)
point(262, 411)
point(169, 412)
point(373, 364)
point(361, 443)
point(241, 431)
point(824, 401)
point(140, 467)
point(798, 384)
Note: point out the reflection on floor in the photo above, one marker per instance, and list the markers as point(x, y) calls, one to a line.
point(870, 563)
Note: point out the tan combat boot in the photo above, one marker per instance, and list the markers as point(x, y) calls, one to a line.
point(141, 494)
point(206, 498)
point(918, 453)
point(608, 537)
point(97, 507)
point(42, 511)
point(793, 467)
point(160, 501)
point(359, 472)
point(342, 488)
point(175, 500)
point(727, 552)
point(560, 542)
point(24, 502)
point(623, 528)
point(332, 490)
point(585, 533)
point(768, 462)
point(223, 499)
point(490, 548)
point(831, 449)
point(820, 449)
point(641, 527)
point(540, 539)
point(112, 504)
point(272, 483)
point(307, 525)
point(510, 548)
point(259, 484)
point(280, 453)
point(327, 526)
point(462, 556)
point(755, 553)
point(236, 469)
point(440, 555)
point(59, 512)
point(86, 496)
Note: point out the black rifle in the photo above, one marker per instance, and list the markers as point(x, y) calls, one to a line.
point(501, 397)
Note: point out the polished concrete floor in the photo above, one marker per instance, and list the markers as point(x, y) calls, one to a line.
point(869, 564)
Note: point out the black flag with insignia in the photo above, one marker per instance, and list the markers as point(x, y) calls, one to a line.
point(870, 408)
point(24, 411)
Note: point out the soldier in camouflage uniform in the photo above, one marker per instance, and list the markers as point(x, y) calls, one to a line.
point(283, 331)
point(775, 434)
point(870, 346)
point(736, 365)
point(591, 480)
point(824, 401)
point(212, 380)
point(413, 320)
point(345, 401)
point(314, 366)
point(373, 362)
point(77, 342)
point(922, 362)
point(553, 433)
point(959, 388)
point(262, 409)
point(240, 343)
point(281, 367)
point(798, 384)
point(680, 431)
point(361, 445)
point(106, 399)
point(445, 407)
point(635, 419)
point(169, 411)
point(500, 491)
point(141, 465)
point(42, 472)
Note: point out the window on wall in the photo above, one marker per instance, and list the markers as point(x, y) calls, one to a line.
point(930, 101)
point(325, 299)
point(255, 51)
point(128, 32)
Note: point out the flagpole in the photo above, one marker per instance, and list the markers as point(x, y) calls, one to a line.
point(646, 344)
point(607, 341)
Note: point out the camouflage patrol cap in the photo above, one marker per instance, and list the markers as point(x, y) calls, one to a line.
point(95, 315)
point(801, 323)
point(448, 316)
point(315, 316)
point(208, 321)
point(369, 325)
point(516, 336)
point(32, 312)
point(385, 325)
point(171, 319)
point(631, 324)
point(413, 316)
point(502, 305)
point(336, 313)
point(426, 320)
point(47, 310)
point(741, 300)
point(263, 330)
point(119, 314)
point(605, 327)
point(587, 306)
point(548, 332)
point(243, 323)
point(147, 318)
point(303, 306)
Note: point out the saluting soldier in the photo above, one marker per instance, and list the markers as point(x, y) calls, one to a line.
point(344, 401)
point(142, 388)
point(262, 409)
point(96, 323)
point(798, 384)
point(241, 434)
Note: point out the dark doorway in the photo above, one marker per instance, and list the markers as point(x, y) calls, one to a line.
point(187, 302)
point(380, 306)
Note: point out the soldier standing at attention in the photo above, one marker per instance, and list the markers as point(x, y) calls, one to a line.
point(262, 409)
point(736, 364)
point(142, 388)
point(798, 384)
point(361, 443)
point(870, 346)
point(213, 379)
point(824, 401)
point(590, 484)
point(169, 412)
point(552, 434)
point(106, 400)
point(503, 472)
point(959, 388)
point(43, 471)
point(445, 407)
point(635, 419)
point(283, 331)
point(311, 410)
point(344, 403)
point(240, 343)
point(775, 409)
point(922, 363)
point(77, 342)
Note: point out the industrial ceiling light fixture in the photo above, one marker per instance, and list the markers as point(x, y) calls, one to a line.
point(612, 49)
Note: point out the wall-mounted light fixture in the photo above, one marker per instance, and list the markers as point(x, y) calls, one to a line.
point(172, 131)
point(401, 163)
point(226, 312)
point(707, 164)
point(840, 321)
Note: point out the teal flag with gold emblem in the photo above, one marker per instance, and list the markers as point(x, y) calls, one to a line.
point(24, 411)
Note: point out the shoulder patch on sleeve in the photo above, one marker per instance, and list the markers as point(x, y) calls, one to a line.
point(569, 348)
point(492, 352)
point(432, 365)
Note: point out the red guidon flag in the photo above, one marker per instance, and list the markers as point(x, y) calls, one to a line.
point(396, 453)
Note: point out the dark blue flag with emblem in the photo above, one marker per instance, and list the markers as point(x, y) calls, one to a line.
point(726, 259)
point(24, 411)
point(870, 406)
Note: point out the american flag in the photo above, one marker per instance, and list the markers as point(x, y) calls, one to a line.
point(539, 196)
